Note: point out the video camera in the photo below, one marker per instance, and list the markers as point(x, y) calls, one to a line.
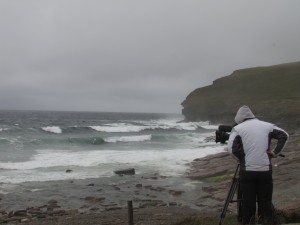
point(223, 132)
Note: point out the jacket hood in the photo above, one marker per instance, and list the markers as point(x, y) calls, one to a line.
point(243, 113)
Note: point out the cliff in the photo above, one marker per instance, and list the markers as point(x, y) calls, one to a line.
point(273, 94)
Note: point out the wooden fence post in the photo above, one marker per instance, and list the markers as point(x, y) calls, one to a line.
point(130, 213)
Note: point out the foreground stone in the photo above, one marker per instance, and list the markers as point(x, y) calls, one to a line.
point(130, 171)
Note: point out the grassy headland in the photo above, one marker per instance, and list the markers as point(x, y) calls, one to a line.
point(272, 93)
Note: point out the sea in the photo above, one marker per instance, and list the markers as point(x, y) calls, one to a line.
point(40, 146)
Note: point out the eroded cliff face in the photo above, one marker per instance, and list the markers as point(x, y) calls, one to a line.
point(273, 94)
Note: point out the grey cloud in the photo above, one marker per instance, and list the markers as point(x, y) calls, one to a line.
point(134, 55)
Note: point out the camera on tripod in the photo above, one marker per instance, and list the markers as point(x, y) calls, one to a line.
point(223, 132)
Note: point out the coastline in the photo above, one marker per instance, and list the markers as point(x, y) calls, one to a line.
point(156, 199)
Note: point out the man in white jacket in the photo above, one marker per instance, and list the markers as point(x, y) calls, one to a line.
point(249, 143)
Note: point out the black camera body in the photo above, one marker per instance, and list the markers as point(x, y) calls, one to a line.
point(223, 132)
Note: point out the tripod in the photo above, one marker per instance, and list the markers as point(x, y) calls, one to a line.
point(235, 186)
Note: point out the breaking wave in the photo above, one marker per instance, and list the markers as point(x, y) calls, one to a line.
point(54, 129)
point(50, 164)
point(139, 138)
point(152, 125)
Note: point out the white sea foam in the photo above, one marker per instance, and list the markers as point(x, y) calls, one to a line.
point(138, 138)
point(152, 125)
point(174, 124)
point(118, 127)
point(54, 129)
point(50, 164)
point(3, 129)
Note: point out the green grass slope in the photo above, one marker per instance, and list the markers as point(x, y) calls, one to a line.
point(273, 94)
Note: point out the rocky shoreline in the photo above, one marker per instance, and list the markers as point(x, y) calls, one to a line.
point(156, 199)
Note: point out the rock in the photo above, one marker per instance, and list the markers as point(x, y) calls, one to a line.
point(72, 211)
point(13, 220)
point(157, 189)
point(94, 199)
point(25, 220)
point(94, 208)
point(53, 206)
point(20, 213)
point(113, 208)
point(91, 185)
point(59, 213)
point(211, 166)
point(175, 193)
point(52, 202)
point(172, 203)
point(209, 189)
point(41, 216)
point(33, 210)
point(116, 187)
point(162, 214)
point(42, 207)
point(130, 171)
point(152, 203)
point(154, 188)
point(69, 171)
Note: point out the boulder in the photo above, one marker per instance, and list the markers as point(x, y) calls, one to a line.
point(130, 171)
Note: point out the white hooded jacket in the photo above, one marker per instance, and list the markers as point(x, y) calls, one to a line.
point(249, 141)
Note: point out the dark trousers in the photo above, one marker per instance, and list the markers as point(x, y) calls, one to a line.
point(256, 185)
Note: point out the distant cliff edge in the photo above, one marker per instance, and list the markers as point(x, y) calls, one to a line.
point(273, 94)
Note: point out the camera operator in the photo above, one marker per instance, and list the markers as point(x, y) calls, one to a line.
point(249, 142)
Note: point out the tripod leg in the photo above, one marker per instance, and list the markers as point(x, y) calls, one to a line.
point(229, 199)
point(232, 190)
point(239, 203)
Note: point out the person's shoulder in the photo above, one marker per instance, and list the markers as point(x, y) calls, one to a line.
point(263, 122)
point(255, 123)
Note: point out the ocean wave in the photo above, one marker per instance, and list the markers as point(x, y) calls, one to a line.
point(118, 127)
point(139, 138)
point(133, 126)
point(87, 140)
point(51, 164)
point(9, 129)
point(4, 141)
point(138, 126)
point(53, 129)
point(162, 137)
point(92, 140)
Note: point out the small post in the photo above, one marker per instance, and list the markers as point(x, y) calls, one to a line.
point(130, 213)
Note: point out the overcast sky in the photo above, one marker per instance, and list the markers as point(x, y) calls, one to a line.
point(134, 55)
